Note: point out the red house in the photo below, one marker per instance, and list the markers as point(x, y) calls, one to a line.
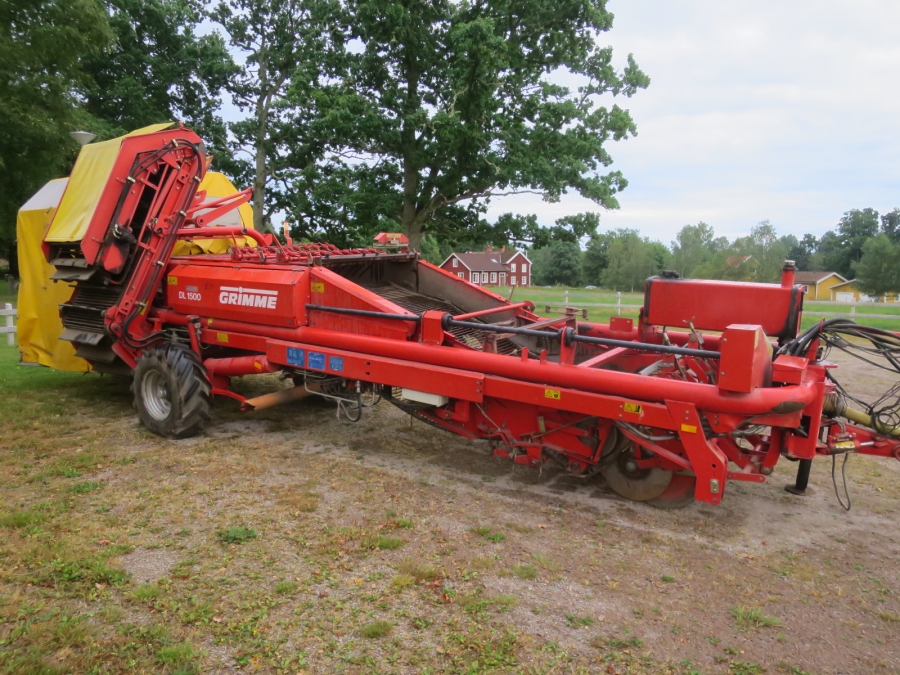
point(490, 267)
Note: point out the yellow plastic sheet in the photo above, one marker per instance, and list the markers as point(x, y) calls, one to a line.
point(89, 176)
point(39, 326)
point(39, 298)
point(217, 185)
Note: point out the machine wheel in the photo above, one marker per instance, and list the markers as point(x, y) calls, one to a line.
point(627, 480)
point(679, 494)
point(171, 392)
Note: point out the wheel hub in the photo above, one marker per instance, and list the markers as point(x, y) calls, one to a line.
point(155, 392)
point(627, 479)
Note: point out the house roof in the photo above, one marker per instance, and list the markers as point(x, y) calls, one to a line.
point(509, 254)
point(814, 277)
point(737, 260)
point(846, 283)
point(482, 261)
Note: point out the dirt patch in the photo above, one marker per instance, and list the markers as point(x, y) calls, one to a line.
point(145, 566)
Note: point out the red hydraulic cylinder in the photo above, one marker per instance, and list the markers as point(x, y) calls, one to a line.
point(238, 366)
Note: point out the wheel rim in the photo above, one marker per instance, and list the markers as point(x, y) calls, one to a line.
point(679, 494)
point(155, 394)
point(628, 481)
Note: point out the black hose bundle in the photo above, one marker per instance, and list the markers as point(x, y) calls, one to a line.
point(875, 346)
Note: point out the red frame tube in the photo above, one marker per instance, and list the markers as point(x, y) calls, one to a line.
point(208, 232)
point(494, 310)
point(639, 387)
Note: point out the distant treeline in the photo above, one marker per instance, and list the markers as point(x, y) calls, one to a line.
point(864, 245)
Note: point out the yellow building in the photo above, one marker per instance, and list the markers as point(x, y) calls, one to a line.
point(848, 292)
point(819, 284)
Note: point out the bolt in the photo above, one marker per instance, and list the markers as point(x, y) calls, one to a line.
point(714, 486)
point(631, 466)
point(766, 471)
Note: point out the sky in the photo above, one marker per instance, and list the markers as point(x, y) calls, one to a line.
point(787, 111)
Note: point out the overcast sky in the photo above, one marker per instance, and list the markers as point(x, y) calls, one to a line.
point(772, 109)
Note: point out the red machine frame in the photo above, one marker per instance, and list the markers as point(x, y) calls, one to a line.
point(666, 415)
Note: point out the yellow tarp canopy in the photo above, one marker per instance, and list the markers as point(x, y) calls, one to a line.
point(39, 298)
point(217, 185)
point(89, 177)
point(39, 326)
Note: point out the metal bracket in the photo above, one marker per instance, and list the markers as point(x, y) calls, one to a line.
point(708, 462)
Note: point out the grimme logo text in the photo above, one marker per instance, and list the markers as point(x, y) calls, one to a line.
point(248, 297)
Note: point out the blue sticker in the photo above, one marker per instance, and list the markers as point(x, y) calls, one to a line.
point(336, 363)
point(317, 360)
point(296, 357)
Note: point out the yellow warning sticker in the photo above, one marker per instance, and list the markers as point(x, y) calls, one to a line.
point(845, 445)
point(552, 393)
point(172, 281)
point(635, 408)
point(689, 428)
point(209, 321)
point(317, 287)
point(222, 337)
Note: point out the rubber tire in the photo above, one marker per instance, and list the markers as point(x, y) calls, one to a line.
point(188, 388)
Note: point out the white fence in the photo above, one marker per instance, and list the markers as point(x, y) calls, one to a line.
point(10, 329)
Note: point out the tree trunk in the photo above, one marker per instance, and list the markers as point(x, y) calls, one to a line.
point(262, 114)
point(259, 179)
point(410, 219)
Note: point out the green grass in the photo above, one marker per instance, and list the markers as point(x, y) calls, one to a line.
point(420, 572)
point(286, 587)
point(526, 571)
point(180, 659)
point(22, 519)
point(489, 534)
point(752, 617)
point(578, 621)
point(236, 534)
point(376, 629)
point(146, 592)
point(382, 542)
point(85, 488)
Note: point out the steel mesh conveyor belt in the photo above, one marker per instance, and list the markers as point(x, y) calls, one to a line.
point(418, 303)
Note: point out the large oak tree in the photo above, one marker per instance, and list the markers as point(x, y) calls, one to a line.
point(444, 104)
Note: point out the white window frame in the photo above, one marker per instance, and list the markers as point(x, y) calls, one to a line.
point(456, 262)
point(476, 277)
point(503, 278)
point(493, 277)
point(512, 268)
point(461, 275)
point(524, 281)
point(524, 268)
point(484, 277)
point(512, 281)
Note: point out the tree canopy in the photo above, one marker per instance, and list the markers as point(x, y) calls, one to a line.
point(43, 45)
point(441, 105)
point(106, 66)
point(158, 69)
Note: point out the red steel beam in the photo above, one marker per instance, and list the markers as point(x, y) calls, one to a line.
point(706, 396)
point(493, 310)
